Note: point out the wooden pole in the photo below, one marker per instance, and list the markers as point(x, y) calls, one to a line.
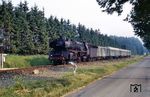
point(2, 60)
point(1, 57)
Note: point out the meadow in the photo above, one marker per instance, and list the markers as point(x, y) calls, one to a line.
point(20, 61)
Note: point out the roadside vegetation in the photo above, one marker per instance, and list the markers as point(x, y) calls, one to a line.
point(56, 87)
point(20, 61)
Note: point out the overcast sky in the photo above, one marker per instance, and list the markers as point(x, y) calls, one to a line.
point(88, 13)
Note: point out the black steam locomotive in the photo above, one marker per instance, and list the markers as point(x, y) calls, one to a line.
point(65, 50)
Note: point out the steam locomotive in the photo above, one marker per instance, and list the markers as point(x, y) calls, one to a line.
point(65, 50)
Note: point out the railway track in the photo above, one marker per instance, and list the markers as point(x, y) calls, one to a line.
point(11, 73)
point(35, 70)
point(30, 70)
point(20, 70)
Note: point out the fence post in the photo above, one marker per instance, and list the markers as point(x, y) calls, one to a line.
point(1, 60)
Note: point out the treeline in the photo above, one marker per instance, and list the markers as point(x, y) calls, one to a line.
point(130, 43)
point(28, 31)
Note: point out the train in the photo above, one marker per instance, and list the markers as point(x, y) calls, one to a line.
point(65, 50)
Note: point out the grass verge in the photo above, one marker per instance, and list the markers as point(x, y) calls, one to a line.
point(18, 61)
point(57, 87)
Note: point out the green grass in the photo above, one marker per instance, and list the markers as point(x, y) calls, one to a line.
point(13, 61)
point(57, 87)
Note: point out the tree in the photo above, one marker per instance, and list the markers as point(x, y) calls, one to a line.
point(139, 17)
point(6, 21)
point(37, 24)
point(22, 37)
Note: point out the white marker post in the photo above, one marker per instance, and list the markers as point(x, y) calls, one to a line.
point(74, 66)
point(2, 59)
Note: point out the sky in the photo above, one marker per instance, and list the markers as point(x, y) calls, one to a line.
point(86, 12)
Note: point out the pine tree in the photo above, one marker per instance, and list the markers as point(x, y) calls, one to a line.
point(6, 22)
